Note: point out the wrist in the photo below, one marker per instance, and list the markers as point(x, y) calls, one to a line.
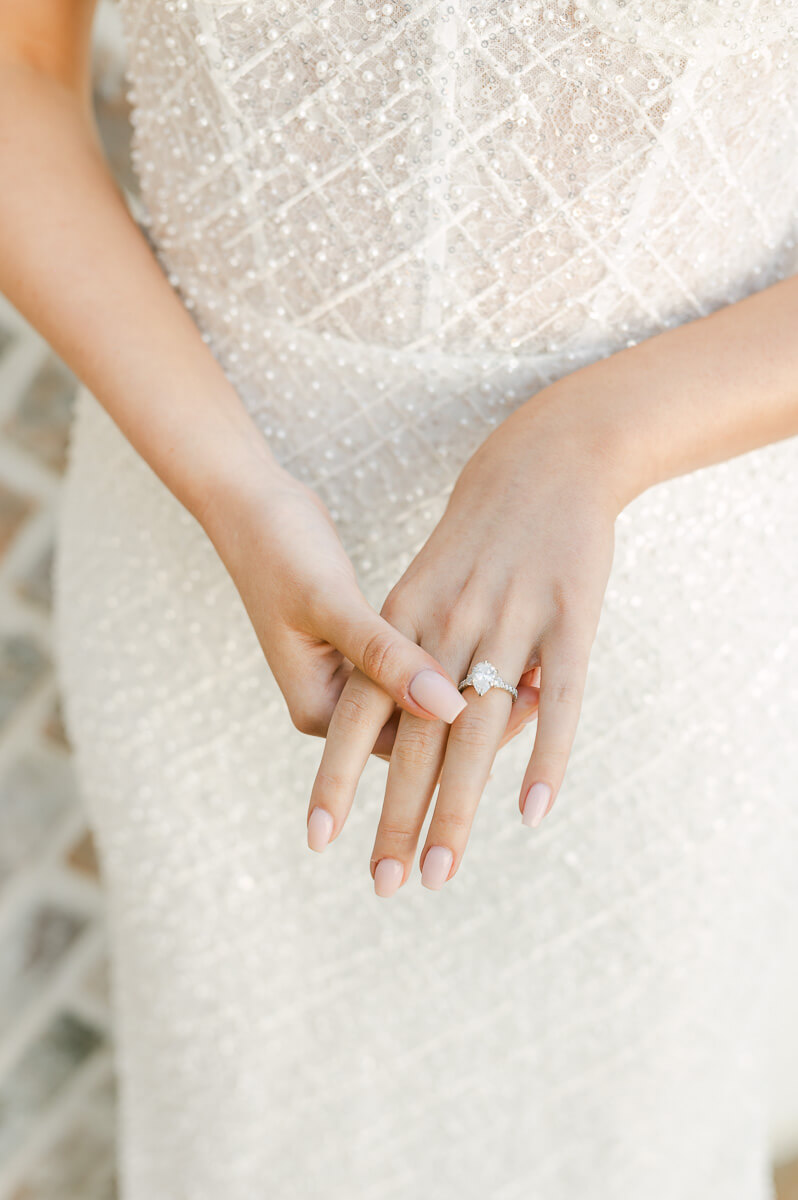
point(233, 473)
point(595, 428)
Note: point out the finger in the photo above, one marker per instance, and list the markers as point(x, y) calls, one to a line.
point(311, 677)
point(470, 750)
point(524, 711)
point(358, 718)
point(564, 661)
point(530, 678)
point(387, 736)
point(413, 774)
point(312, 706)
point(410, 676)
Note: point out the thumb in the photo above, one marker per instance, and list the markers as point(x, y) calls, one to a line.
point(411, 677)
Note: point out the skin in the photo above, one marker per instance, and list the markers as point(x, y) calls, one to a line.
point(73, 260)
point(556, 473)
point(539, 500)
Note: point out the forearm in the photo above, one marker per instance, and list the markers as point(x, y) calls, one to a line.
point(695, 395)
point(75, 264)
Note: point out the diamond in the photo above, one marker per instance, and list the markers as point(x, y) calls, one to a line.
point(483, 676)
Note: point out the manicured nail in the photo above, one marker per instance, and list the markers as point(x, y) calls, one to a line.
point(435, 693)
point(436, 867)
point(535, 804)
point(320, 827)
point(388, 876)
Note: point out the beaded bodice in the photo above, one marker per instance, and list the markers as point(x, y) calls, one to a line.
point(394, 221)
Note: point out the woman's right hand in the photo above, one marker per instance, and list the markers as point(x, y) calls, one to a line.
point(167, 392)
point(164, 388)
point(282, 550)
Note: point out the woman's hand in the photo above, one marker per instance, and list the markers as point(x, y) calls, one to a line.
point(283, 552)
point(164, 388)
point(515, 573)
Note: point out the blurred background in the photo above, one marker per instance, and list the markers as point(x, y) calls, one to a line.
point(57, 1101)
point(56, 1080)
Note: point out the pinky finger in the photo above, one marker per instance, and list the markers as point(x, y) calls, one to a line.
point(522, 712)
point(563, 669)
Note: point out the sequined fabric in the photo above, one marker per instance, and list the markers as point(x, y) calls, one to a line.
point(393, 223)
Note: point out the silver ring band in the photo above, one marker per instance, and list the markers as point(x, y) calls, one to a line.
point(483, 676)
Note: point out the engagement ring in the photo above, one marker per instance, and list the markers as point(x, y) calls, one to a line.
point(484, 676)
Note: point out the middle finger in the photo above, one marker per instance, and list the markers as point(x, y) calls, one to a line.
point(413, 771)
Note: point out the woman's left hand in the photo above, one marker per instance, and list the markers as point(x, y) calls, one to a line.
point(515, 573)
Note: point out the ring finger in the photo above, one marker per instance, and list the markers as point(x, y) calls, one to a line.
point(470, 751)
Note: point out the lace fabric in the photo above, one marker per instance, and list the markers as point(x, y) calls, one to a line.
point(499, 176)
point(395, 222)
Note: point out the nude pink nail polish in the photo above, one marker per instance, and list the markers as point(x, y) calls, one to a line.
point(435, 693)
point(535, 804)
point(437, 864)
point(388, 876)
point(320, 827)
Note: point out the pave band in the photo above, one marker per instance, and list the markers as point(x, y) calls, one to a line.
point(483, 676)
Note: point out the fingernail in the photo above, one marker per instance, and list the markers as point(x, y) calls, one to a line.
point(535, 804)
point(387, 876)
point(435, 693)
point(320, 827)
point(436, 867)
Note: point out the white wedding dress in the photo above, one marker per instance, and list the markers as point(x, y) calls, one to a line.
point(393, 223)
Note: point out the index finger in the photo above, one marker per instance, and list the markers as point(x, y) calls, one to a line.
point(362, 710)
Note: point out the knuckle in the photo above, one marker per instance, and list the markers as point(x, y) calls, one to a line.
point(551, 760)
point(329, 784)
point(397, 833)
point(416, 745)
point(473, 733)
point(567, 692)
point(452, 820)
point(352, 708)
point(379, 654)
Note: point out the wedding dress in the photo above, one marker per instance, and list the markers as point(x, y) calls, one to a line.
point(393, 223)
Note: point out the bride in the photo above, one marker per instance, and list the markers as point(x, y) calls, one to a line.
point(448, 385)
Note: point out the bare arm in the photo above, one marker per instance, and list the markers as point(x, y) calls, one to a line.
point(705, 391)
point(75, 263)
point(538, 501)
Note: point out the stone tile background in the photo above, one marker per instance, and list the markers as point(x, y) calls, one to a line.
point(56, 1073)
point(56, 1076)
